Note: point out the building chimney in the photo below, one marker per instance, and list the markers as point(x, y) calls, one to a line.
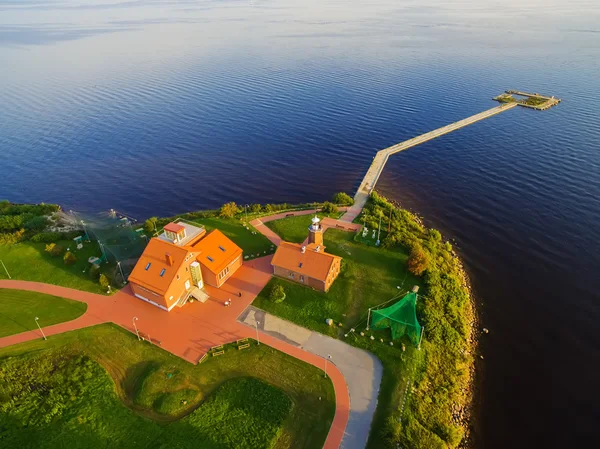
point(169, 259)
point(303, 249)
point(317, 248)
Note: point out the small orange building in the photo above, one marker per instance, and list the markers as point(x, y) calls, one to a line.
point(176, 264)
point(307, 264)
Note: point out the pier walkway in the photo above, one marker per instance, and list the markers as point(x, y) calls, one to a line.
point(380, 159)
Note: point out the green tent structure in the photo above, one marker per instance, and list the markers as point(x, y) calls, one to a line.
point(117, 238)
point(400, 317)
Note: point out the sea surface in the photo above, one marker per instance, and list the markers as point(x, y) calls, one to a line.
point(161, 107)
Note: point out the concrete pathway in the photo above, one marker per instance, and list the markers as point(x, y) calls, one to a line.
point(376, 168)
point(361, 369)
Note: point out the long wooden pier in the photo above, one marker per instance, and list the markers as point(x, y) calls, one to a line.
point(368, 183)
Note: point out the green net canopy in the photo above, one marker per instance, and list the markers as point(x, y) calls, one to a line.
point(401, 318)
point(119, 241)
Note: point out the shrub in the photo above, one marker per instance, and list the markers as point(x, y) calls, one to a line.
point(277, 293)
point(10, 222)
point(94, 272)
point(38, 223)
point(229, 210)
point(103, 281)
point(343, 199)
point(53, 249)
point(69, 258)
point(51, 237)
point(12, 238)
point(329, 208)
point(150, 226)
point(418, 261)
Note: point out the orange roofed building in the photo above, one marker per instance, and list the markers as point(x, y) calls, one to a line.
point(307, 264)
point(176, 265)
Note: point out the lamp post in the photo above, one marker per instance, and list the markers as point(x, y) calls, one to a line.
point(256, 323)
point(327, 360)
point(7, 273)
point(135, 318)
point(246, 210)
point(38, 325)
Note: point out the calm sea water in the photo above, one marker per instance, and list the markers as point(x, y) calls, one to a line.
point(160, 107)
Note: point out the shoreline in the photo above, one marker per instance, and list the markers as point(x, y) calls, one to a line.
point(465, 414)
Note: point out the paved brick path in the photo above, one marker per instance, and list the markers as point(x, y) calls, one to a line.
point(189, 332)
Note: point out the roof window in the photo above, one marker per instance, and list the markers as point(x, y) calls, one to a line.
point(162, 272)
point(148, 266)
point(221, 248)
point(210, 258)
point(300, 266)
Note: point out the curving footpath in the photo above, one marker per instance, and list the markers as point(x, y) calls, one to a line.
point(189, 332)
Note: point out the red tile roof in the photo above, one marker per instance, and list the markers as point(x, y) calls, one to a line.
point(174, 227)
point(154, 259)
point(216, 251)
point(311, 263)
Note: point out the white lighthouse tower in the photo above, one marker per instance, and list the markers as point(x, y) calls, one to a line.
point(315, 232)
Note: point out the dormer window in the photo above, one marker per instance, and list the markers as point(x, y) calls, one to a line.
point(148, 266)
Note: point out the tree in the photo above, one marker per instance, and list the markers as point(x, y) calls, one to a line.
point(343, 199)
point(268, 208)
point(255, 208)
point(150, 225)
point(69, 258)
point(277, 293)
point(418, 260)
point(329, 208)
point(229, 210)
point(104, 282)
point(37, 223)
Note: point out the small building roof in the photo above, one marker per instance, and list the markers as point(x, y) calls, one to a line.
point(312, 263)
point(193, 232)
point(147, 271)
point(216, 251)
point(174, 227)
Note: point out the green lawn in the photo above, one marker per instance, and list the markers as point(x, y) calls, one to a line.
point(28, 261)
point(294, 229)
point(19, 308)
point(254, 398)
point(254, 245)
point(370, 275)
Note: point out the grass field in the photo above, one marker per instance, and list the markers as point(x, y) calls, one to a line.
point(255, 398)
point(294, 229)
point(28, 261)
point(19, 308)
point(370, 275)
point(254, 245)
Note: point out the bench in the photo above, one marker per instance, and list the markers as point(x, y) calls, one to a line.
point(241, 340)
point(214, 354)
point(216, 347)
point(203, 358)
point(247, 345)
point(289, 215)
